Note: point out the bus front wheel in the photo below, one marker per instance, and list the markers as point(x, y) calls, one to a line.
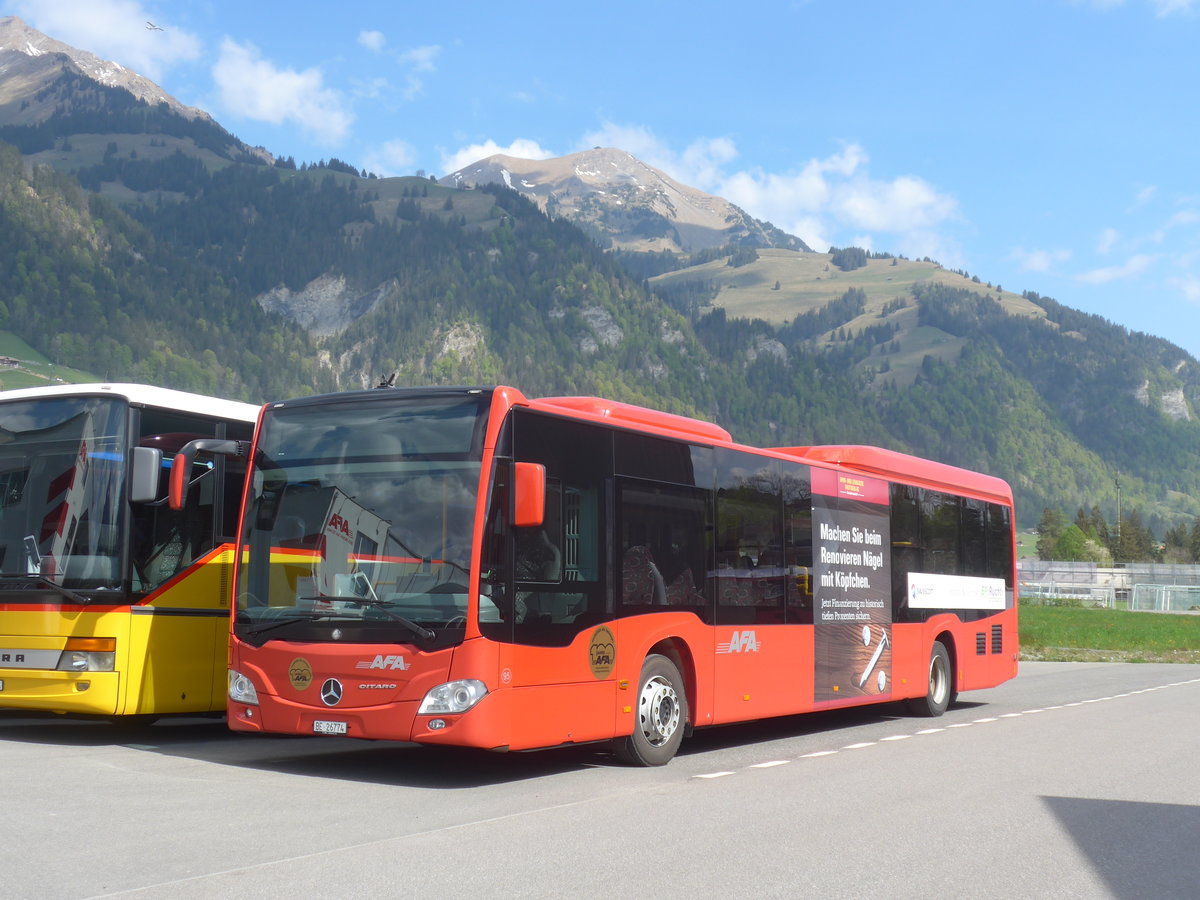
point(940, 689)
point(662, 715)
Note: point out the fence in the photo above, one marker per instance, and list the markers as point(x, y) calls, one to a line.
point(1165, 597)
point(1052, 593)
point(1141, 586)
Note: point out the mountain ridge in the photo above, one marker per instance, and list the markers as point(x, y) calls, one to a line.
point(26, 55)
point(625, 202)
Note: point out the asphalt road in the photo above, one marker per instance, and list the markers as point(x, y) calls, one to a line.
point(1074, 780)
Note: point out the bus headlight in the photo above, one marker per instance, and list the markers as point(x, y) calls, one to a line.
point(452, 697)
point(88, 655)
point(241, 689)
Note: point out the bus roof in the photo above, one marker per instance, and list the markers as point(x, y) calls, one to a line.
point(891, 464)
point(872, 461)
point(145, 395)
point(639, 417)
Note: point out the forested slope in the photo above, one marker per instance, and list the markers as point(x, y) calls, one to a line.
point(449, 286)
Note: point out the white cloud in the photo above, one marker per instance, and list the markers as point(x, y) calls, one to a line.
point(520, 148)
point(1135, 265)
point(1189, 286)
point(254, 88)
point(421, 58)
point(1179, 220)
point(635, 139)
point(112, 29)
point(1038, 260)
point(824, 201)
point(1160, 8)
point(1164, 8)
point(372, 40)
point(391, 158)
point(370, 88)
point(1108, 239)
point(1183, 217)
point(1144, 196)
point(820, 200)
point(905, 204)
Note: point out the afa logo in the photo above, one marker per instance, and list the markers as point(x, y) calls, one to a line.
point(740, 642)
point(338, 524)
point(383, 662)
point(300, 673)
point(602, 652)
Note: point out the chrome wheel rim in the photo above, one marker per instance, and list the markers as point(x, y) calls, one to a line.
point(658, 711)
point(939, 679)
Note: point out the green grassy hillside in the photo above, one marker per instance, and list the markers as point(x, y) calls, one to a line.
point(782, 284)
point(28, 368)
point(809, 281)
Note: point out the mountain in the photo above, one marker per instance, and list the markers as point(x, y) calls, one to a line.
point(71, 109)
point(624, 203)
point(145, 245)
point(30, 61)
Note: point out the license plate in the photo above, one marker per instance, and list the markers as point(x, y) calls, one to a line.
point(320, 727)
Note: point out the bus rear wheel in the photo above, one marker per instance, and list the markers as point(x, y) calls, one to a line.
point(662, 715)
point(940, 687)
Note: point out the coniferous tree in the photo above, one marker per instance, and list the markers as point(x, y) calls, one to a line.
point(1050, 528)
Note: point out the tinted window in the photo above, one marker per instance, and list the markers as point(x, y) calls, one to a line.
point(555, 584)
point(664, 547)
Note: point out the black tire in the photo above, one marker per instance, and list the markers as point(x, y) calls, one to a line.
point(940, 687)
point(662, 715)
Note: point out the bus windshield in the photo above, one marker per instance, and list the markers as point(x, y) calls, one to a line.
point(360, 518)
point(62, 488)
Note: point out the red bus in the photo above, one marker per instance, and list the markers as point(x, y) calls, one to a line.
point(471, 567)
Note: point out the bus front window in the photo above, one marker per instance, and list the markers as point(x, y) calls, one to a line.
point(62, 483)
point(360, 517)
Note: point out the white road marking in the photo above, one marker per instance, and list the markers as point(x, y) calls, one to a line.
point(901, 737)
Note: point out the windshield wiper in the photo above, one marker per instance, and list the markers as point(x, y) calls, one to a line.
point(290, 620)
point(364, 581)
point(34, 580)
point(420, 631)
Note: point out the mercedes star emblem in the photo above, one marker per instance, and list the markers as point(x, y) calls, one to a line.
point(331, 692)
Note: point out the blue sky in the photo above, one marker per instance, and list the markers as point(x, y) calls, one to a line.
point(1050, 145)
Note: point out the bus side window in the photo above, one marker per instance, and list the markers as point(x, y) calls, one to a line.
point(798, 544)
point(165, 542)
point(906, 547)
point(557, 582)
point(752, 571)
point(663, 547)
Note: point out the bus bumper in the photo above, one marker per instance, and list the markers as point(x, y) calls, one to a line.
point(398, 721)
point(88, 693)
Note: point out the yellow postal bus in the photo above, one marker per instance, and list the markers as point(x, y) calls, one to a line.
point(111, 603)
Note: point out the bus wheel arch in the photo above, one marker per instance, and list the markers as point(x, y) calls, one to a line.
point(660, 708)
point(940, 687)
point(677, 651)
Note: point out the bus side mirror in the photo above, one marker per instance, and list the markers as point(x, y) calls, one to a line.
point(529, 489)
point(143, 476)
point(181, 465)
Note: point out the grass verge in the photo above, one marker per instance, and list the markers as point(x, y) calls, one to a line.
point(1107, 635)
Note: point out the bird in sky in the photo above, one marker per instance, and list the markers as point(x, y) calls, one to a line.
point(152, 27)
